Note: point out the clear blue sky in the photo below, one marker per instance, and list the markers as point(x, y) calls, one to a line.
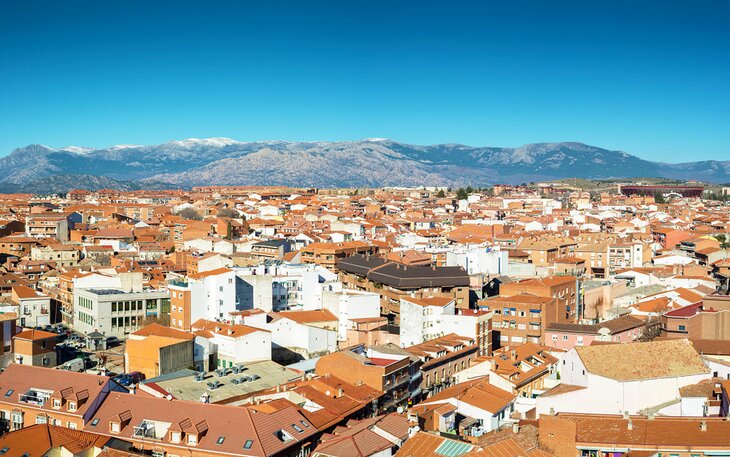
point(649, 78)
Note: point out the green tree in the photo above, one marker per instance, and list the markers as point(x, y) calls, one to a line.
point(461, 194)
point(441, 194)
point(659, 199)
point(722, 238)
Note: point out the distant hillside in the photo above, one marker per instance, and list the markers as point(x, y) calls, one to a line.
point(374, 163)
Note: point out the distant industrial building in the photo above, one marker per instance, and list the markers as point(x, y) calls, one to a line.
point(684, 191)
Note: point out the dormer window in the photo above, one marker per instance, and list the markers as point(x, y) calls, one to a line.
point(56, 403)
point(192, 439)
point(114, 427)
point(72, 406)
point(175, 437)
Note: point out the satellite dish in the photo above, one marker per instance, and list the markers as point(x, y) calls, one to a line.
point(400, 410)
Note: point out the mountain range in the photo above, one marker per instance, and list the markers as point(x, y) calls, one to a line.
point(365, 163)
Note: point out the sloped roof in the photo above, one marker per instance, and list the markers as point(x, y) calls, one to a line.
point(637, 361)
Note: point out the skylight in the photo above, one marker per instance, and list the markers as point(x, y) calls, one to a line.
point(283, 436)
point(248, 444)
point(220, 440)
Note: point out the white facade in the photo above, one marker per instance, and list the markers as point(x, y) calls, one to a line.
point(479, 260)
point(212, 296)
point(419, 322)
point(350, 304)
point(602, 395)
point(305, 340)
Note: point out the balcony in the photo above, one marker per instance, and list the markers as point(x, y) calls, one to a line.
point(34, 397)
point(151, 430)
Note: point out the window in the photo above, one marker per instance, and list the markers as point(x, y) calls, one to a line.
point(9, 392)
point(56, 402)
point(72, 425)
point(114, 427)
point(41, 420)
point(95, 422)
point(297, 428)
point(220, 440)
point(72, 406)
point(175, 437)
point(306, 425)
point(192, 439)
point(248, 444)
point(682, 328)
point(17, 419)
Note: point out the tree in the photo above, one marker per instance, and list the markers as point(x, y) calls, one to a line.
point(659, 199)
point(461, 194)
point(190, 213)
point(228, 212)
point(441, 194)
point(469, 190)
point(164, 320)
point(722, 238)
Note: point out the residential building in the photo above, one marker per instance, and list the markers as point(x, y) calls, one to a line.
point(619, 378)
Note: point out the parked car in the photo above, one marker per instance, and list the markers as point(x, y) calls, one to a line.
point(78, 365)
point(127, 379)
point(112, 341)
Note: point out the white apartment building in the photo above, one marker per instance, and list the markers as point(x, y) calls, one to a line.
point(292, 286)
point(208, 295)
point(420, 318)
point(350, 304)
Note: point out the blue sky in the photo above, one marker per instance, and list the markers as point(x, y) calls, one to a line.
point(649, 78)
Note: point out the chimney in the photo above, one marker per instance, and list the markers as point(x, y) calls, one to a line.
point(703, 426)
point(340, 392)
point(515, 428)
point(514, 354)
point(630, 425)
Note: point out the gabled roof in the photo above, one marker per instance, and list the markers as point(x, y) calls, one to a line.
point(39, 440)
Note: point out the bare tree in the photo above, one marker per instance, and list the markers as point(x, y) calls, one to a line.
point(190, 213)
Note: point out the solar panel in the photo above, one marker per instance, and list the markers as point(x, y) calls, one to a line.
point(451, 448)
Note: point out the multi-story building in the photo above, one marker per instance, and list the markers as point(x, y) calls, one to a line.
point(51, 225)
point(33, 307)
point(328, 254)
point(708, 319)
point(35, 395)
point(35, 347)
point(385, 372)
point(62, 255)
point(117, 312)
point(208, 295)
point(522, 369)
point(520, 318)
point(441, 359)
point(393, 281)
